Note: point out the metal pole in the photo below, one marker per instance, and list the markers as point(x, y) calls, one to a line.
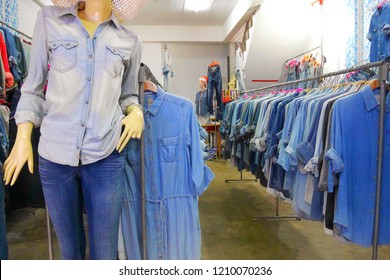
point(276, 217)
point(141, 80)
point(49, 236)
point(383, 72)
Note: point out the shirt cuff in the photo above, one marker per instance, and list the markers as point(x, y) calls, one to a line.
point(132, 100)
point(335, 162)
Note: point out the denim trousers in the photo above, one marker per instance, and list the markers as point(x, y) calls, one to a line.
point(240, 80)
point(3, 236)
point(101, 185)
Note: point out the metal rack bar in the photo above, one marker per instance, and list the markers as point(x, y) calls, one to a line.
point(313, 49)
point(383, 74)
point(240, 180)
point(277, 200)
point(13, 29)
point(331, 74)
point(141, 80)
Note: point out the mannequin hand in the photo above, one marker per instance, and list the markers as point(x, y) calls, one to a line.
point(134, 124)
point(21, 152)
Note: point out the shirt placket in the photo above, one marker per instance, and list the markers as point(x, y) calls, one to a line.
point(153, 183)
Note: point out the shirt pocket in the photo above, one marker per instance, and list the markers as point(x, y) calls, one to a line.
point(169, 149)
point(114, 61)
point(63, 55)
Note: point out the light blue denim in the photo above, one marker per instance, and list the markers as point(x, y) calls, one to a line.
point(92, 80)
point(175, 176)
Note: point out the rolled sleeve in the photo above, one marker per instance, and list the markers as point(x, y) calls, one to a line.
point(386, 29)
point(31, 106)
point(305, 152)
point(336, 164)
point(130, 86)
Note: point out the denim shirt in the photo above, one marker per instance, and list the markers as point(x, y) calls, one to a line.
point(201, 102)
point(353, 155)
point(175, 176)
point(91, 83)
point(379, 34)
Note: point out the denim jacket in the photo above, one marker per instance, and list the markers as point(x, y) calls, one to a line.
point(91, 83)
point(201, 102)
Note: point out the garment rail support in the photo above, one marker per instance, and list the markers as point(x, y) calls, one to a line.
point(49, 236)
point(141, 80)
point(240, 180)
point(383, 73)
point(277, 200)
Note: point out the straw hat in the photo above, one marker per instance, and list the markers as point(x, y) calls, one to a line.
point(124, 9)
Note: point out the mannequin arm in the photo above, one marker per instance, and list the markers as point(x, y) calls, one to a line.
point(133, 123)
point(21, 152)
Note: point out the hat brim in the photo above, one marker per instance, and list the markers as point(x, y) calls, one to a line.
point(124, 9)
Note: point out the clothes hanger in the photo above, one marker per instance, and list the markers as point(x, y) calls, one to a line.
point(148, 85)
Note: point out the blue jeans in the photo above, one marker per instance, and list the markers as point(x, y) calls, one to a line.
point(3, 236)
point(101, 184)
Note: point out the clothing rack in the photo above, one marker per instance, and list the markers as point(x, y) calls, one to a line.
point(14, 29)
point(383, 74)
point(299, 55)
point(141, 80)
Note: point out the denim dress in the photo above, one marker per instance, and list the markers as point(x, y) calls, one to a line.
point(175, 175)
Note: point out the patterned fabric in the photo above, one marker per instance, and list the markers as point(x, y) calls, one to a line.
point(351, 56)
point(9, 12)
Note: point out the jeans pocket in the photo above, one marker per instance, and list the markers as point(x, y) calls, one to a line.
point(115, 60)
point(63, 55)
point(169, 148)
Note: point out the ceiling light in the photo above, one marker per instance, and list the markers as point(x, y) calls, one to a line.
point(198, 5)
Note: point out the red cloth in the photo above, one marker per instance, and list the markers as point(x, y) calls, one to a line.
point(4, 54)
point(9, 80)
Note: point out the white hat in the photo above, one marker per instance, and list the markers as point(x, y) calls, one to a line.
point(124, 9)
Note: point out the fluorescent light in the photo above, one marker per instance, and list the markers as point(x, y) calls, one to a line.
point(198, 5)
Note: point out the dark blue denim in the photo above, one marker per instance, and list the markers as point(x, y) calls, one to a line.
point(379, 34)
point(201, 101)
point(13, 53)
point(101, 184)
point(3, 236)
point(215, 85)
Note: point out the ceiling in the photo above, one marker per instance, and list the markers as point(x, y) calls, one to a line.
point(171, 12)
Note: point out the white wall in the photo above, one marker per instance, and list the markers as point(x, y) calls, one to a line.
point(151, 56)
point(287, 28)
point(27, 14)
point(190, 61)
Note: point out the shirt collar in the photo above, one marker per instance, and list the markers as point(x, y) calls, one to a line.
point(371, 101)
point(156, 105)
point(73, 10)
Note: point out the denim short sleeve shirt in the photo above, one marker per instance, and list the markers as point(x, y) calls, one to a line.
point(91, 82)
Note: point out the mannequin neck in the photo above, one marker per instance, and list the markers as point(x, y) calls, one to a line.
point(96, 11)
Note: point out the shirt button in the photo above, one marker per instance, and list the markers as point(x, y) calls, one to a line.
point(86, 102)
point(82, 125)
point(89, 79)
point(78, 148)
point(90, 56)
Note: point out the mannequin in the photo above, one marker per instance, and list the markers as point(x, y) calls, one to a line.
point(240, 68)
point(92, 100)
point(202, 109)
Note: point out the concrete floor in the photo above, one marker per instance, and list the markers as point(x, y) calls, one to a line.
point(228, 232)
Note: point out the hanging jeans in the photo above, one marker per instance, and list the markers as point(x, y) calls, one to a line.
point(3, 236)
point(101, 184)
point(215, 84)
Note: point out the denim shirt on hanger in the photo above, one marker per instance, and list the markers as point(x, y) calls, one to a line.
point(379, 34)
